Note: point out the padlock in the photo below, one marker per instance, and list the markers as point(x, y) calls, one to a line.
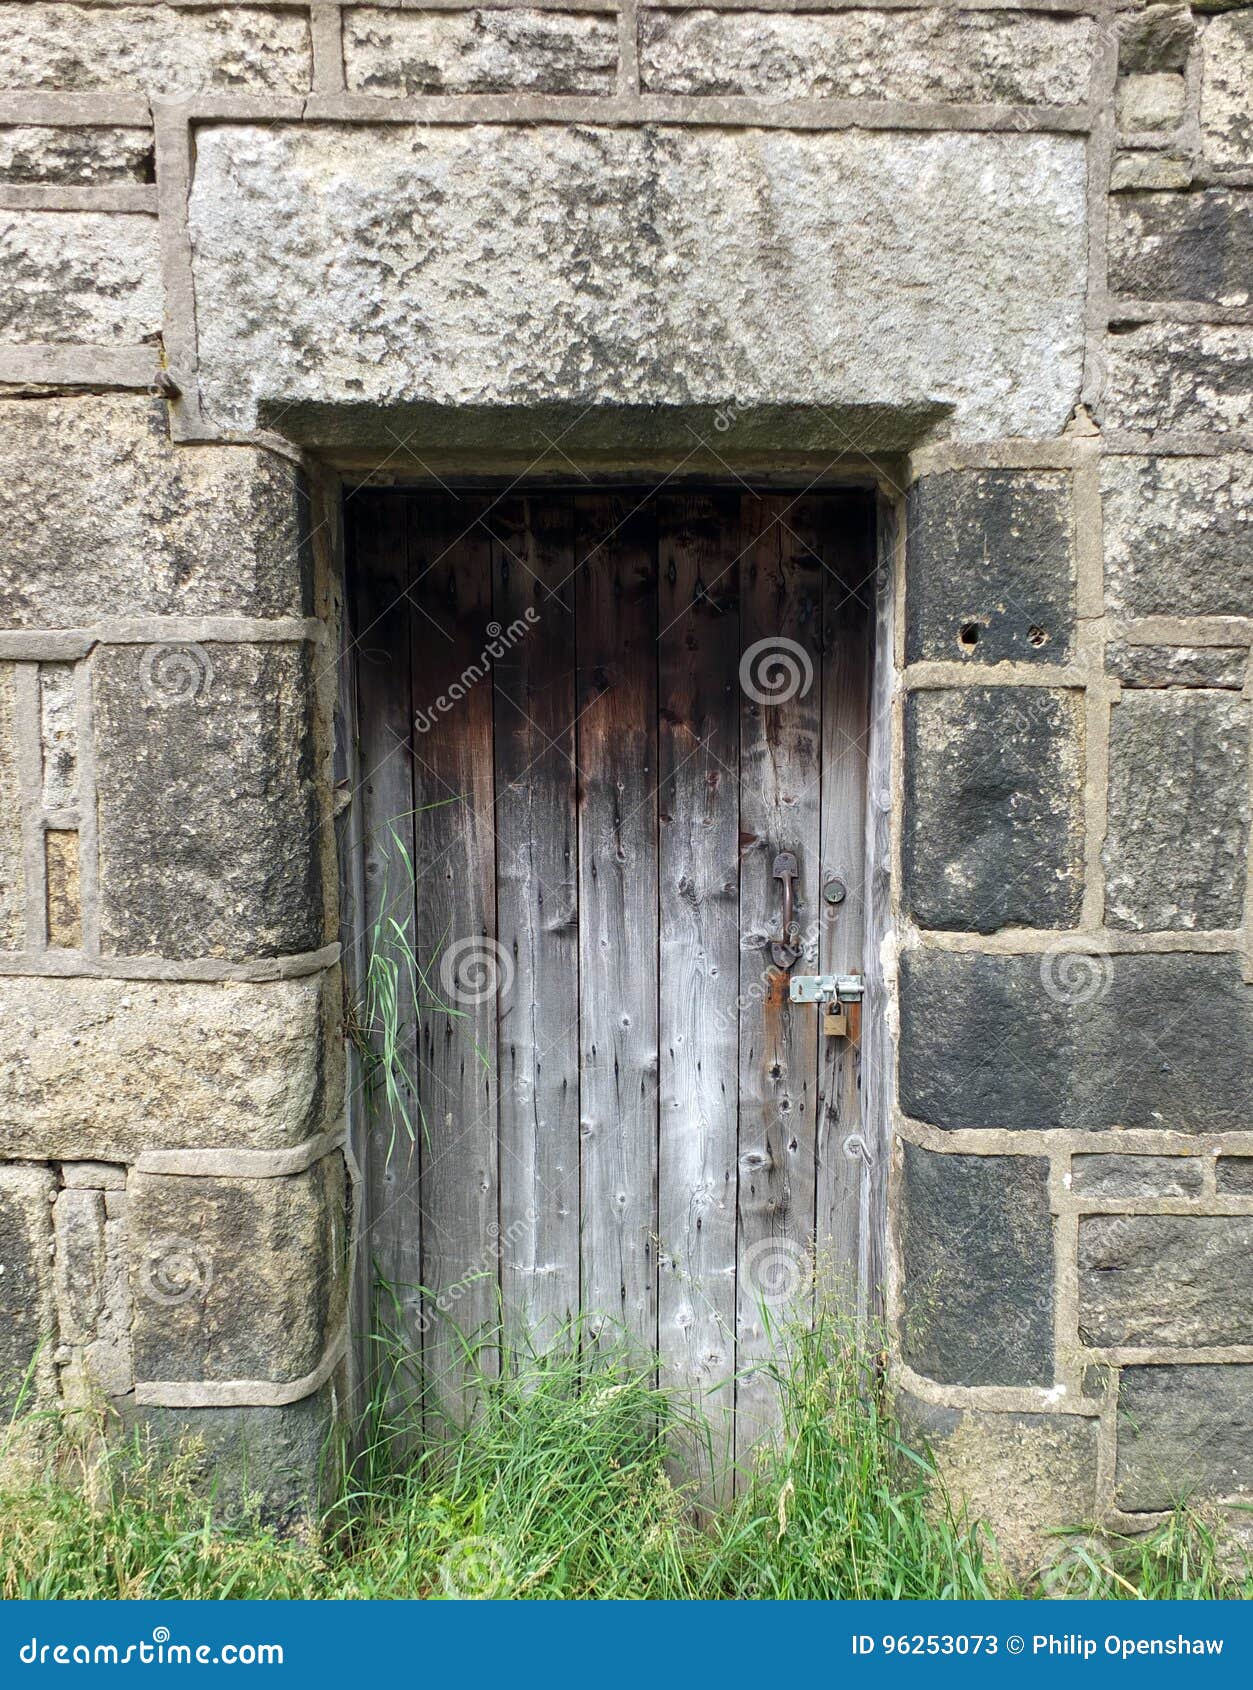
point(835, 1019)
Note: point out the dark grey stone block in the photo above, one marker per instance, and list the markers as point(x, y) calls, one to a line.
point(1176, 844)
point(209, 821)
point(279, 1462)
point(1178, 535)
point(1235, 1175)
point(1135, 1176)
point(1155, 40)
point(1068, 1041)
point(1182, 1280)
point(977, 1259)
point(1190, 377)
point(1183, 1431)
point(236, 1278)
point(1220, 666)
point(1182, 246)
point(990, 567)
point(993, 808)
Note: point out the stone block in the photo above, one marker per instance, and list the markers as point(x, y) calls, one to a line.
point(993, 808)
point(1227, 88)
point(1097, 1176)
point(1178, 535)
point(976, 1241)
point(236, 1279)
point(1176, 843)
point(1183, 1432)
point(1147, 103)
point(1219, 666)
point(1157, 39)
point(279, 1463)
point(93, 1176)
point(103, 516)
point(63, 898)
point(1028, 1476)
point(1134, 172)
point(28, 1321)
point(58, 732)
point(1075, 1040)
point(208, 812)
point(86, 157)
point(1182, 246)
point(12, 871)
point(89, 276)
point(491, 50)
point(930, 55)
point(155, 49)
point(990, 567)
point(921, 272)
point(1189, 377)
point(1166, 1280)
point(1235, 1176)
point(78, 1220)
point(105, 1069)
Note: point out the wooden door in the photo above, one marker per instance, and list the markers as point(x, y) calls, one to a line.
point(588, 725)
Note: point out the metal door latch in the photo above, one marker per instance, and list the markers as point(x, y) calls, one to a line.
point(786, 949)
point(840, 996)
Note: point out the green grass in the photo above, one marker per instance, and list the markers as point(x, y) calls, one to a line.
point(565, 1485)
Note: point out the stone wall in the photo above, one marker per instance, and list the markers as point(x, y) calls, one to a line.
point(996, 255)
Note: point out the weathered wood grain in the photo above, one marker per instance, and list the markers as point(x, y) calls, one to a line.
point(619, 1110)
point(537, 914)
point(458, 951)
point(391, 1247)
point(878, 1051)
point(616, 747)
point(780, 609)
point(843, 1174)
point(698, 764)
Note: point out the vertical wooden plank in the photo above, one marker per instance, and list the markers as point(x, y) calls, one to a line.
point(615, 597)
point(878, 1049)
point(842, 1232)
point(390, 1154)
point(780, 588)
point(537, 914)
point(458, 951)
point(698, 850)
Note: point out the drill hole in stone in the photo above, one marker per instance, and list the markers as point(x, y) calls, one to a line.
point(968, 635)
point(1036, 635)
